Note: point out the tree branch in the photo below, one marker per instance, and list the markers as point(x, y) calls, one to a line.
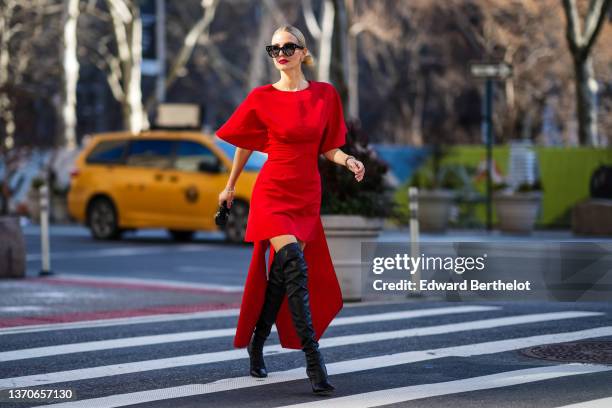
point(311, 20)
point(120, 31)
point(594, 22)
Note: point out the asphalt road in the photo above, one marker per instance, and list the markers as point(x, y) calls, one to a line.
point(142, 254)
point(408, 353)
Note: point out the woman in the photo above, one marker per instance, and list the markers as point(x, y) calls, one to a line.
point(293, 120)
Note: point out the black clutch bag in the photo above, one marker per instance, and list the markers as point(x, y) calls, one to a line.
point(222, 214)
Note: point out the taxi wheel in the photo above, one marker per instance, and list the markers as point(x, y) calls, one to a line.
point(102, 219)
point(235, 228)
point(181, 236)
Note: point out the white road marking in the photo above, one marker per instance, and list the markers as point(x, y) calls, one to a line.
point(455, 327)
point(341, 367)
point(598, 403)
point(24, 308)
point(410, 314)
point(485, 382)
point(152, 282)
point(208, 334)
point(103, 253)
point(119, 321)
point(220, 356)
point(210, 314)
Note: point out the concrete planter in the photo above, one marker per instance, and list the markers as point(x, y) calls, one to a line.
point(344, 235)
point(517, 212)
point(434, 209)
point(592, 216)
point(12, 248)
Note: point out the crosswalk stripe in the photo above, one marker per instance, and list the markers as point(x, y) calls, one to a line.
point(208, 334)
point(598, 403)
point(454, 327)
point(485, 382)
point(119, 321)
point(410, 314)
point(121, 251)
point(335, 368)
point(166, 283)
point(204, 358)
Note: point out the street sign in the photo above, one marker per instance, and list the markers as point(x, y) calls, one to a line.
point(178, 115)
point(490, 70)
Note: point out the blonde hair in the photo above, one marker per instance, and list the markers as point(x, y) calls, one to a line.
point(308, 59)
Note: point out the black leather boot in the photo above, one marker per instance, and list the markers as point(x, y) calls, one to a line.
point(275, 293)
point(295, 270)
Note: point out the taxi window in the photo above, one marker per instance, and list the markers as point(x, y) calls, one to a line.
point(150, 153)
point(189, 156)
point(107, 152)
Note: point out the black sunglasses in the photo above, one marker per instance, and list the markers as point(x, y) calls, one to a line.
point(288, 49)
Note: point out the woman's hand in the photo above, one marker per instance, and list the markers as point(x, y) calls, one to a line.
point(227, 194)
point(356, 167)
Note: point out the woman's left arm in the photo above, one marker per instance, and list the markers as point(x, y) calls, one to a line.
point(350, 162)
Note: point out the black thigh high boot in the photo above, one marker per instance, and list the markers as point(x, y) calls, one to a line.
point(275, 293)
point(295, 270)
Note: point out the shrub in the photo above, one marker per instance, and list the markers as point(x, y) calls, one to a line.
point(342, 194)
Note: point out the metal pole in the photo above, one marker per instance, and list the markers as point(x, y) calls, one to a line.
point(489, 140)
point(413, 195)
point(44, 230)
point(160, 49)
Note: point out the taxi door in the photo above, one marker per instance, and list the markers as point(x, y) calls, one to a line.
point(143, 185)
point(198, 176)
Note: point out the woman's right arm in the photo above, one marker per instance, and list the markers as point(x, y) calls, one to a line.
point(241, 156)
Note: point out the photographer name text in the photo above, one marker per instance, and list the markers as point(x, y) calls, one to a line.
point(432, 285)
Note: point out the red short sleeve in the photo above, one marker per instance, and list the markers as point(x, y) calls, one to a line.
point(244, 128)
point(334, 134)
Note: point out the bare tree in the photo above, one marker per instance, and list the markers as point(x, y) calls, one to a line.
point(118, 54)
point(7, 30)
point(271, 16)
point(28, 71)
point(199, 32)
point(381, 25)
point(440, 40)
point(127, 28)
point(580, 44)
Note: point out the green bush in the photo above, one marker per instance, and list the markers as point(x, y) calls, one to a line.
point(526, 187)
point(342, 194)
point(447, 177)
point(452, 176)
point(37, 182)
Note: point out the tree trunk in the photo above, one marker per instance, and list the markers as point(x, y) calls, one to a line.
point(586, 108)
point(353, 65)
point(71, 75)
point(127, 25)
point(137, 119)
point(340, 55)
point(580, 43)
point(325, 41)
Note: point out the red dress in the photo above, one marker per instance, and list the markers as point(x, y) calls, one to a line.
point(293, 128)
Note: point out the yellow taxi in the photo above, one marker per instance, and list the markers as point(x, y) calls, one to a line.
point(158, 179)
